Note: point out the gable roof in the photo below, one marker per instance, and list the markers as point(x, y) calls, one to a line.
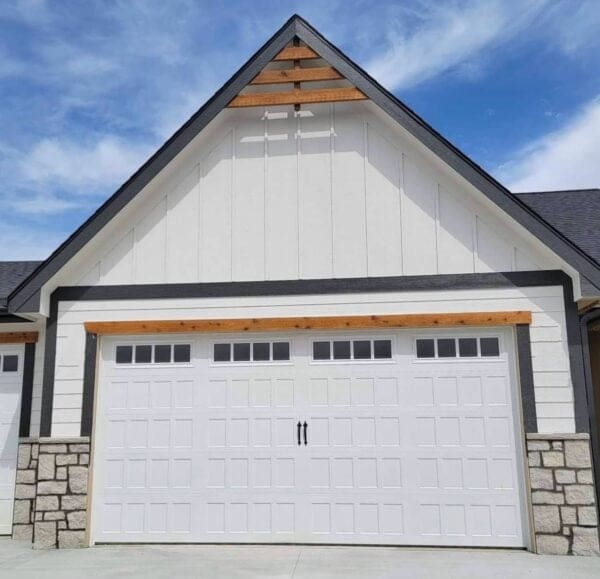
point(27, 296)
point(575, 213)
point(12, 273)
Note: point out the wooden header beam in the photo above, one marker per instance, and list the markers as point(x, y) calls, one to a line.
point(323, 95)
point(18, 337)
point(477, 319)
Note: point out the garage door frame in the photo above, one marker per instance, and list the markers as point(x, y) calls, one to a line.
point(524, 402)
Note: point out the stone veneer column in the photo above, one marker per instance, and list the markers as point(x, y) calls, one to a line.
point(51, 492)
point(565, 517)
point(25, 489)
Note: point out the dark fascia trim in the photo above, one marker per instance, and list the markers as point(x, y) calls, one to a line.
point(26, 297)
point(12, 319)
point(27, 390)
point(593, 405)
point(450, 154)
point(89, 382)
point(314, 287)
point(523, 337)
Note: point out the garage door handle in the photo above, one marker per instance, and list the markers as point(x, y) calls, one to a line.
point(305, 429)
point(299, 427)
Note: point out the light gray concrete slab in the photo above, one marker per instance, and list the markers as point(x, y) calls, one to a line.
point(19, 561)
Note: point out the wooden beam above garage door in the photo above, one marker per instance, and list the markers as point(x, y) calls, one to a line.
point(18, 337)
point(471, 319)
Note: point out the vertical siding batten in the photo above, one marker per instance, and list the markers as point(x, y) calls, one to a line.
point(348, 196)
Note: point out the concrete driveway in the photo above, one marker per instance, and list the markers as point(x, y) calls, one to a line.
point(19, 561)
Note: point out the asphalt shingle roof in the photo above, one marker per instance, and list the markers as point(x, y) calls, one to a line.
point(575, 214)
point(12, 273)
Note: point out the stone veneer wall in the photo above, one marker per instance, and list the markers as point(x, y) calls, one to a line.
point(51, 492)
point(25, 489)
point(565, 518)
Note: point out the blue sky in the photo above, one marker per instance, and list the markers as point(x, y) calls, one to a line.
point(88, 90)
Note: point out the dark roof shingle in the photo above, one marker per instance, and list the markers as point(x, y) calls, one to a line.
point(12, 273)
point(575, 214)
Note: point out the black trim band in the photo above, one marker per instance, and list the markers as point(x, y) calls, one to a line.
point(523, 345)
point(314, 286)
point(27, 390)
point(318, 287)
point(593, 405)
point(582, 419)
point(89, 381)
point(49, 369)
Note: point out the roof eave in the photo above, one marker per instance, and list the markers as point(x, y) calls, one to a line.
point(26, 296)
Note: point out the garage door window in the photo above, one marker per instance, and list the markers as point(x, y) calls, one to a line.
point(327, 350)
point(251, 352)
point(10, 363)
point(457, 348)
point(153, 354)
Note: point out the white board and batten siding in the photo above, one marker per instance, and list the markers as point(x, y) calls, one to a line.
point(551, 369)
point(331, 191)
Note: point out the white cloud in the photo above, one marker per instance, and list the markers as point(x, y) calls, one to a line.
point(577, 27)
point(566, 159)
point(42, 204)
point(442, 36)
point(99, 98)
point(80, 168)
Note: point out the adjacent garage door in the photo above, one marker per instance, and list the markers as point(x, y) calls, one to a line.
point(398, 438)
point(11, 380)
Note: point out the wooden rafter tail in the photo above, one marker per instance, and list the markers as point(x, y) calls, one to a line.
point(296, 53)
point(296, 75)
point(295, 97)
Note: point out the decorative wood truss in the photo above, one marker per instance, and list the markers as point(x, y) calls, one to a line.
point(300, 69)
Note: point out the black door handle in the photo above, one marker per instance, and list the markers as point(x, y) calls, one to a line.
point(305, 428)
point(299, 427)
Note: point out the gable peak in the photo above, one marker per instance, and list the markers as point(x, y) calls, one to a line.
point(296, 75)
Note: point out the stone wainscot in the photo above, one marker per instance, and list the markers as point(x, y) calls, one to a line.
point(51, 492)
point(565, 516)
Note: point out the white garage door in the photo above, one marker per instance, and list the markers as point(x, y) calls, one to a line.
point(397, 438)
point(11, 380)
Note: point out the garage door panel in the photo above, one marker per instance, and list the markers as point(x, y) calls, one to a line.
point(398, 451)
